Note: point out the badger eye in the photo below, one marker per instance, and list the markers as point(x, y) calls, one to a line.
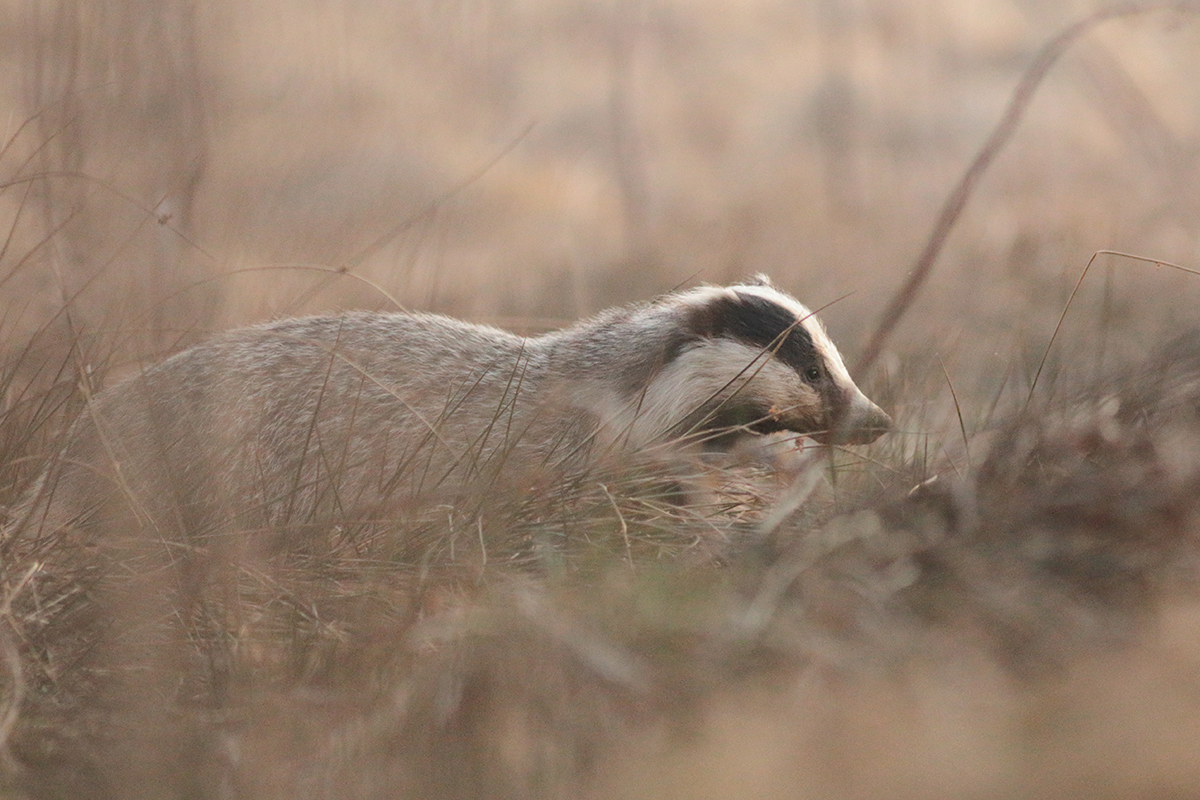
point(812, 374)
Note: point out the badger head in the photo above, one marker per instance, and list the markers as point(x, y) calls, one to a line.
point(749, 359)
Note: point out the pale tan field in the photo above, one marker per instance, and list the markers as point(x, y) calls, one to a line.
point(1024, 626)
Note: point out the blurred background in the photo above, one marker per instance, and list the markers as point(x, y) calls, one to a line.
point(175, 167)
point(171, 168)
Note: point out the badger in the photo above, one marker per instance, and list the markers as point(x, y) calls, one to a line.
point(360, 416)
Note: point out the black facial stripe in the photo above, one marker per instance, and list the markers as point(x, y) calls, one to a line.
point(760, 323)
point(720, 427)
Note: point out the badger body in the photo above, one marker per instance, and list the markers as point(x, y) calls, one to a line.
point(363, 416)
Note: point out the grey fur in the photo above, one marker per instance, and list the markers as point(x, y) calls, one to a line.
point(365, 415)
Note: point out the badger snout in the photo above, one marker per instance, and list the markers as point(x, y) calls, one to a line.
point(866, 425)
point(860, 422)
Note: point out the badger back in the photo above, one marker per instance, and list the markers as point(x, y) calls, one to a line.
point(299, 420)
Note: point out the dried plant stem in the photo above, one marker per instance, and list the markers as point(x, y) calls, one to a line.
point(1034, 74)
point(8, 652)
point(962, 426)
point(1156, 262)
point(624, 525)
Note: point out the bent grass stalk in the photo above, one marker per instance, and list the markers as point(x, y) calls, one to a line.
point(1142, 259)
point(1001, 134)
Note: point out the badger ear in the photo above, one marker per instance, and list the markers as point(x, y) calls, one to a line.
point(759, 279)
point(731, 314)
point(728, 313)
point(706, 319)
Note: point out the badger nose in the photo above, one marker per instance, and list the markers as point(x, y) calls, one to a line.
point(864, 423)
point(873, 423)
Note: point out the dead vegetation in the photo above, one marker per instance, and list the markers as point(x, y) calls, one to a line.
point(598, 651)
point(1000, 599)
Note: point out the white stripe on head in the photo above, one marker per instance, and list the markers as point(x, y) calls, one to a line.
point(705, 376)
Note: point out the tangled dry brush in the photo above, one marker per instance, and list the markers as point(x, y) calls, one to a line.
point(1025, 626)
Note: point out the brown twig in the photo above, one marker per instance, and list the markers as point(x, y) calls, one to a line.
point(1022, 95)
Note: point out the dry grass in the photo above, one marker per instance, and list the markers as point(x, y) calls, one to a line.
point(966, 636)
point(1022, 624)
